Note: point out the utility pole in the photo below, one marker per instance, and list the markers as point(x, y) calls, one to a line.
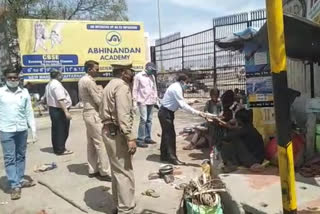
point(278, 61)
point(160, 37)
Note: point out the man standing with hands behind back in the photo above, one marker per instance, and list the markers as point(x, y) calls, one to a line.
point(145, 95)
point(59, 102)
point(90, 94)
point(117, 114)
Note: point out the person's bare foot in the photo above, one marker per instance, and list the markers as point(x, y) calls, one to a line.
point(189, 147)
point(257, 167)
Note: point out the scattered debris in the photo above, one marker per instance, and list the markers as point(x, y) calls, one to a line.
point(45, 167)
point(153, 176)
point(181, 186)
point(151, 193)
point(62, 196)
point(42, 212)
point(168, 178)
point(4, 203)
point(202, 195)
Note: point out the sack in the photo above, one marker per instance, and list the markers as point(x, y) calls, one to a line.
point(201, 209)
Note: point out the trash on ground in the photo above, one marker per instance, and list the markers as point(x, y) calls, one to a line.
point(152, 193)
point(45, 167)
point(181, 186)
point(201, 195)
point(153, 176)
point(42, 212)
point(168, 178)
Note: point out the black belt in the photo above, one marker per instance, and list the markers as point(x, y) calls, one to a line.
point(166, 109)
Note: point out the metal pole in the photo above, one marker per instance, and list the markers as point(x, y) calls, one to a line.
point(214, 58)
point(160, 37)
point(312, 79)
point(281, 104)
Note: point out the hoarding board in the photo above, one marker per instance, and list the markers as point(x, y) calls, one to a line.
point(66, 45)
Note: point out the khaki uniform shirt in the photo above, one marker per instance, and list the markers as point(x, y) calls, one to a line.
point(116, 106)
point(89, 93)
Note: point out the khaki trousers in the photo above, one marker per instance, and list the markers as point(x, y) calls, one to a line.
point(98, 160)
point(123, 186)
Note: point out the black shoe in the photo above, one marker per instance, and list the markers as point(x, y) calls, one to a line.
point(115, 211)
point(94, 175)
point(104, 178)
point(142, 145)
point(164, 159)
point(176, 162)
point(150, 142)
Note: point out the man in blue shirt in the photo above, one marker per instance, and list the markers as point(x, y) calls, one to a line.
point(16, 116)
point(171, 102)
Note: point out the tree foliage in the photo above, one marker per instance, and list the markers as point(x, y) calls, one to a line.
point(107, 10)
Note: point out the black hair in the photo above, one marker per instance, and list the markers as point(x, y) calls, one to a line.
point(10, 71)
point(89, 65)
point(214, 91)
point(236, 90)
point(182, 77)
point(227, 98)
point(54, 74)
point(244, 116)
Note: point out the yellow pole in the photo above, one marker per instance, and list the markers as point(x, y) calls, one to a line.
point(278, 62)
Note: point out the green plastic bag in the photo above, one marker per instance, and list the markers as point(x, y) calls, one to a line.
point(196, 209)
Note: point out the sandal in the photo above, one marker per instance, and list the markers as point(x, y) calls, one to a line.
point(27, 184)
point(152, 193)
point(66, 152)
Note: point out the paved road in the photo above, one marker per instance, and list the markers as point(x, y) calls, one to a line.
point(71, 178)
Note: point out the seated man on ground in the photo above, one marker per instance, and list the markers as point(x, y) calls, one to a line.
point(243, 145)
point(205, 132)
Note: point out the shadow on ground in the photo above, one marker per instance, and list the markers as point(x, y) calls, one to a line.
point(99, 199)
point(47, 150)
point(79, 169)
point(4, 185)
point(154, 158)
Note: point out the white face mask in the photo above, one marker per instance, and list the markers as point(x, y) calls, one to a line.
point(12, 84)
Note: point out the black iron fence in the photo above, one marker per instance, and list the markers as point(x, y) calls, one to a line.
point(198, 55)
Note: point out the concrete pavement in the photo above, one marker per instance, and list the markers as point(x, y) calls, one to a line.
point(71, 178)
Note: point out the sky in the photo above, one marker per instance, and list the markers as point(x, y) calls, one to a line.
point(185, 16)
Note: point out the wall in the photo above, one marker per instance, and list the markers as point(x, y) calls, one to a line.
point(299, 76)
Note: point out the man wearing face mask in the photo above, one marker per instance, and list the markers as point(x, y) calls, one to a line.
point(16, 116)
point(171, 102)
point(59, 102)
point(90, 94)
point(117, 114)
point(145, 96)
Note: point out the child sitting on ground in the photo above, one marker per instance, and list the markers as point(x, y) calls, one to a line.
point(205, 132)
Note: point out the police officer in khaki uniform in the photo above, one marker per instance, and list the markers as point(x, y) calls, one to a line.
point(90, 94)
point(117, 114)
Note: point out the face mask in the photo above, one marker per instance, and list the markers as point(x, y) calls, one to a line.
point(149, 72)
point(184, 86)
point(12, 84)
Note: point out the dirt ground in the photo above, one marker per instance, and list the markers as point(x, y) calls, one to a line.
point(70, 178)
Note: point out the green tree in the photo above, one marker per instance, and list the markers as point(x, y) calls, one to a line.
point(107, 10)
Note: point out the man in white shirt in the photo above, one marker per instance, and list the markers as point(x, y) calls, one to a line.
point(16, 116)
point(171, 102)
point(145, 95)
point(59, 102)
